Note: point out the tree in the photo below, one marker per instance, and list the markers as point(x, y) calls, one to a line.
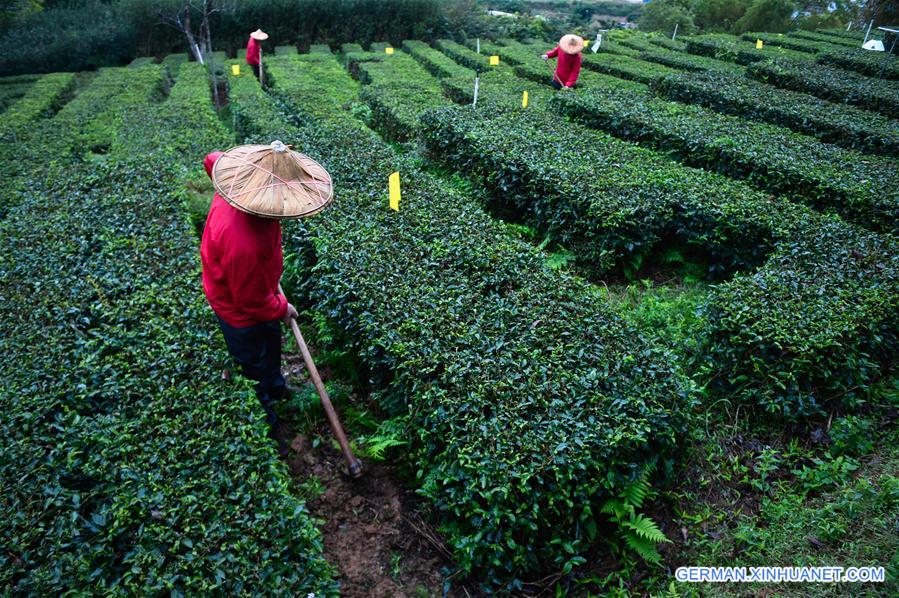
point(719, 15)
point(766, 15)
point(663, 15)
point(200, 43)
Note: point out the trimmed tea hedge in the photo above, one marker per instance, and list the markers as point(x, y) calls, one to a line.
point(320, 49)
point(794, 43)
point(319, 69)
point(817, 36)
point(529, 399)
point(128, 467)
point(464, 56)
point(866, 62)
point(435, 62)
point(834, 123)
point(286, 51)
point(859, 187)
point(689, 62)
point(836, 85)
point(399, 90)
point(818, 321)
point(732, 49)
point(626, 67)
point(41, 98)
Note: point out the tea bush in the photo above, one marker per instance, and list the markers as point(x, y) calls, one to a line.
point(861, 188)
point(128, 467)
point(834, 123)
point(866, 62)
point(732, 49)
point(812, 324)
point(834, 84)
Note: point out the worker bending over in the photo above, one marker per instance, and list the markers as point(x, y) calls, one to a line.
point(254, 50)
point(568, 53)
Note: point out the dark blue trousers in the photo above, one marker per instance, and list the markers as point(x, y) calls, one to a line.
point(257, 349)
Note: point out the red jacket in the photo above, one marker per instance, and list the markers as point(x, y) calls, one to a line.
point(253, 50)
point(242, 263)
point(569, 66)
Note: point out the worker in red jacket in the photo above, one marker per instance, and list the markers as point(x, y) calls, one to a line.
point(242, 264)
point(568, 68)
point(254, 50)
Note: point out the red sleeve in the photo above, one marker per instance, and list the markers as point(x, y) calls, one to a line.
point(553, 53)
point(251, 290)
point(575, 71)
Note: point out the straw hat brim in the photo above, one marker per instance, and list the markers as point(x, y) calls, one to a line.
point(258, 180)
point(571, 44)
point(259, 35)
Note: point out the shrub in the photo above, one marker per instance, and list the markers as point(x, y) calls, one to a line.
point(732, 49)
point(813, 325)
point(626, 67)
point(834, 123)
point(836, 85)
point(526, 398)
point(435, 62)
point(400, 89)
point(129, 468)
point(42, 97)
point(794, 43)
point(866, 62)
point(858, 187)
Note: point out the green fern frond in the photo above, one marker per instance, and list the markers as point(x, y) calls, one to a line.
point(636, 492)
point(644, 548)
point(646, 528)
point(373, 447)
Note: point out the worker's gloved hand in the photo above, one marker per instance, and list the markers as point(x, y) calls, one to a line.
point(289, 314)
point(545, 57)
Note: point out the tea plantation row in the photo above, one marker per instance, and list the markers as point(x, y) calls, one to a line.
point(127, 466)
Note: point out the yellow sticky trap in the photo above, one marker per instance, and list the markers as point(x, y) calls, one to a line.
point(394, 184)
point(235, 69)
point(524, 99)
point(494, 61)
point(758, 44)
point(388, 50)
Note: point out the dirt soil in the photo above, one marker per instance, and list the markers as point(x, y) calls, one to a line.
point(373, 531)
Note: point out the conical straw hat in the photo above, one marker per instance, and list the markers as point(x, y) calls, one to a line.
point(259, 34)
point(571, 44)
point(272, 181)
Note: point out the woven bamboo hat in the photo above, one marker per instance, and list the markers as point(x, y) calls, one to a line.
point(260, 35)
point(272, 181)
point(571, 44)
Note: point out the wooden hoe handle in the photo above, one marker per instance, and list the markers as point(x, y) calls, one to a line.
point(354, 465)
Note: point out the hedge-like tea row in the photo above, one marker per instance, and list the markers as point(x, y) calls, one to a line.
point(320, 49)
point(606, 202)
point(435, 62)
point(866, 62)
point(398, 89)
point(836, 85)
point(319, 69)
point(793, 43)
point(732, 49)
point(817, 36)
point(862, 188)
point(689, 62)
point(842, 125)
point(626, 67)
point(464, 56)
point(529, 400)
point(41, 98)
point(815, 325)
point(670, 44)
point(128, 468)
point(286, 50)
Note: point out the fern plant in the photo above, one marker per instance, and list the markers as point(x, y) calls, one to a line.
point(634, 530)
